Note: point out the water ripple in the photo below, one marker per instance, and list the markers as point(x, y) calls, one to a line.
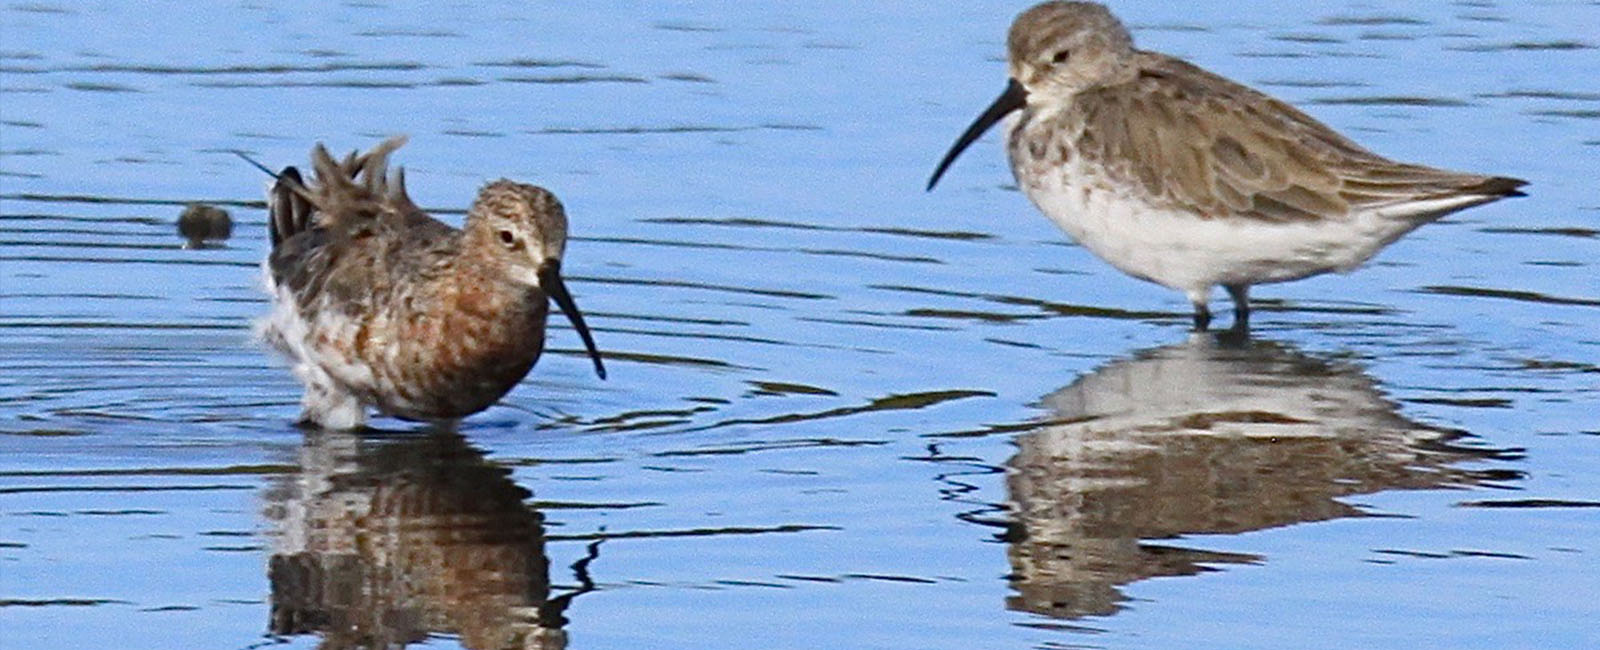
point(576, 79)
point(1369, 21)
point(1389, 100)
point(1522, 296)
point(1527, 46)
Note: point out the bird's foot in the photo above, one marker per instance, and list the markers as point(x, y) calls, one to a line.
point(1202, 317)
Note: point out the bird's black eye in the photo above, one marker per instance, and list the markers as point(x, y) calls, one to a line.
point(507, 238)
point(1060, 57)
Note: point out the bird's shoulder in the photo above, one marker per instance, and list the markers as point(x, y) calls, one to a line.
point(366, 240)
point(1212, 146)
point(358, 262)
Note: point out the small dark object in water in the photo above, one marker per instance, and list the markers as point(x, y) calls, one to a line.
point(201, 222)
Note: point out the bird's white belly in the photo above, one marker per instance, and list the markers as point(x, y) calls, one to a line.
point(332, 380)
point(1191, 253)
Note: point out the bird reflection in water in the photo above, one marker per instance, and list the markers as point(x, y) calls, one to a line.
point(1214, 435)
point(384, 542)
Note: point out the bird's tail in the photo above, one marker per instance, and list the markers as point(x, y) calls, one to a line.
point(357, 185)
point(289, 206)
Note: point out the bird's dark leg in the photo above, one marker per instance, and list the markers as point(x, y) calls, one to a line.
point(1202, 317)
point(1241, 306)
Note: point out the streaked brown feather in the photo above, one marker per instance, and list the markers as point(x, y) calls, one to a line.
point(350, 227)
point(1219, 149)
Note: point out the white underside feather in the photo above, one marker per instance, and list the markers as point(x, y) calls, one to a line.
point(1184, 251)
point(327, 401)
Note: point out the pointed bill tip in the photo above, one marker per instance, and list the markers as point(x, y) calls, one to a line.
point(550, 281)
point(253, 162)
point(1012, 98)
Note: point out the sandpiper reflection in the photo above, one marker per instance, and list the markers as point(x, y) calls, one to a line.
point(1206, 436)
point(382, 543)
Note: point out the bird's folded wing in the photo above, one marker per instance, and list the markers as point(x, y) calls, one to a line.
point(1201, 143)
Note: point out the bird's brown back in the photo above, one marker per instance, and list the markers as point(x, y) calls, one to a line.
point(1220, 149)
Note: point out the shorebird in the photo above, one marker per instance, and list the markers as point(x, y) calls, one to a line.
point(377, 304)
point(202, 222)
point(1181, 177)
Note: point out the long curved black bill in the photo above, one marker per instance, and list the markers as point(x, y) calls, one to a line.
point(1012, 99)
point(550, 282)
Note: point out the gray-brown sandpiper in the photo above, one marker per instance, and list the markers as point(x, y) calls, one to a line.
point(377, 304)
point(1179, 176)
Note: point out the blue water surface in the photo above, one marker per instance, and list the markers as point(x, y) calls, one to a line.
point(842, 412)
